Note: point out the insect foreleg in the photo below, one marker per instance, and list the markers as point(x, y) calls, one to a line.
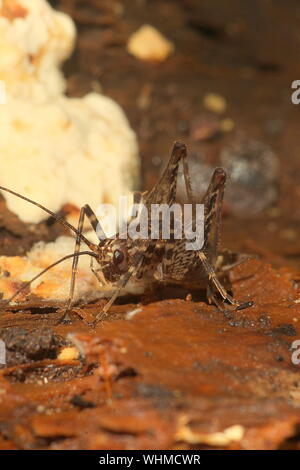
point(214, 280)
point(133, 270)
point(100, 277)
point(88, 212)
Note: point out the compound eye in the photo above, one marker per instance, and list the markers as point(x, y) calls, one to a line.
point(118, 257)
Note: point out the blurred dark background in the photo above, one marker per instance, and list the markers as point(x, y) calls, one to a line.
point(247, 52)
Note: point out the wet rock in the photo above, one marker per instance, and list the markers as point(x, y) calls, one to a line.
point(252, 169)
point(285, 329)
point(23, 345)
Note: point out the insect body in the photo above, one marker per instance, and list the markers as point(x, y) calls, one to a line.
point(120, 259)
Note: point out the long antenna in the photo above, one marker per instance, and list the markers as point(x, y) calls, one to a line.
point(56, 217)
point(90, 253)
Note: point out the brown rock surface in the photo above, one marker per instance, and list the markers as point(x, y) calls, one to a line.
point(178, 374)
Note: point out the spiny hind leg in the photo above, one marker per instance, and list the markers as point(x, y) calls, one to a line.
point(213, 298)
point(216, 286)
point(213, 202)
point(213, 279)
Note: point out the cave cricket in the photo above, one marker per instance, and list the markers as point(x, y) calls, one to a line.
point(120, 260)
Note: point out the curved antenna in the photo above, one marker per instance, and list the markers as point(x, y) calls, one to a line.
point(90, 253)
point(56, 217)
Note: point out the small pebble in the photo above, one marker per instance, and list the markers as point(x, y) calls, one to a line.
point(132, 313)
point(148, 44)
point(215, 103)
point(41, 409)
point(227, 125)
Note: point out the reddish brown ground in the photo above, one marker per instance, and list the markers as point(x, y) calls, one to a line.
point(178, 368)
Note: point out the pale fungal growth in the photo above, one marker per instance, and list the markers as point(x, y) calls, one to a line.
point(67, 354)
point(147, 43)
point(54, 149)
point(223, 438)
point(34, 41)
point(54, 285)
point(74, 151)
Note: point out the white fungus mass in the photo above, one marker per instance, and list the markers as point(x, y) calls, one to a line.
point(54, 149)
